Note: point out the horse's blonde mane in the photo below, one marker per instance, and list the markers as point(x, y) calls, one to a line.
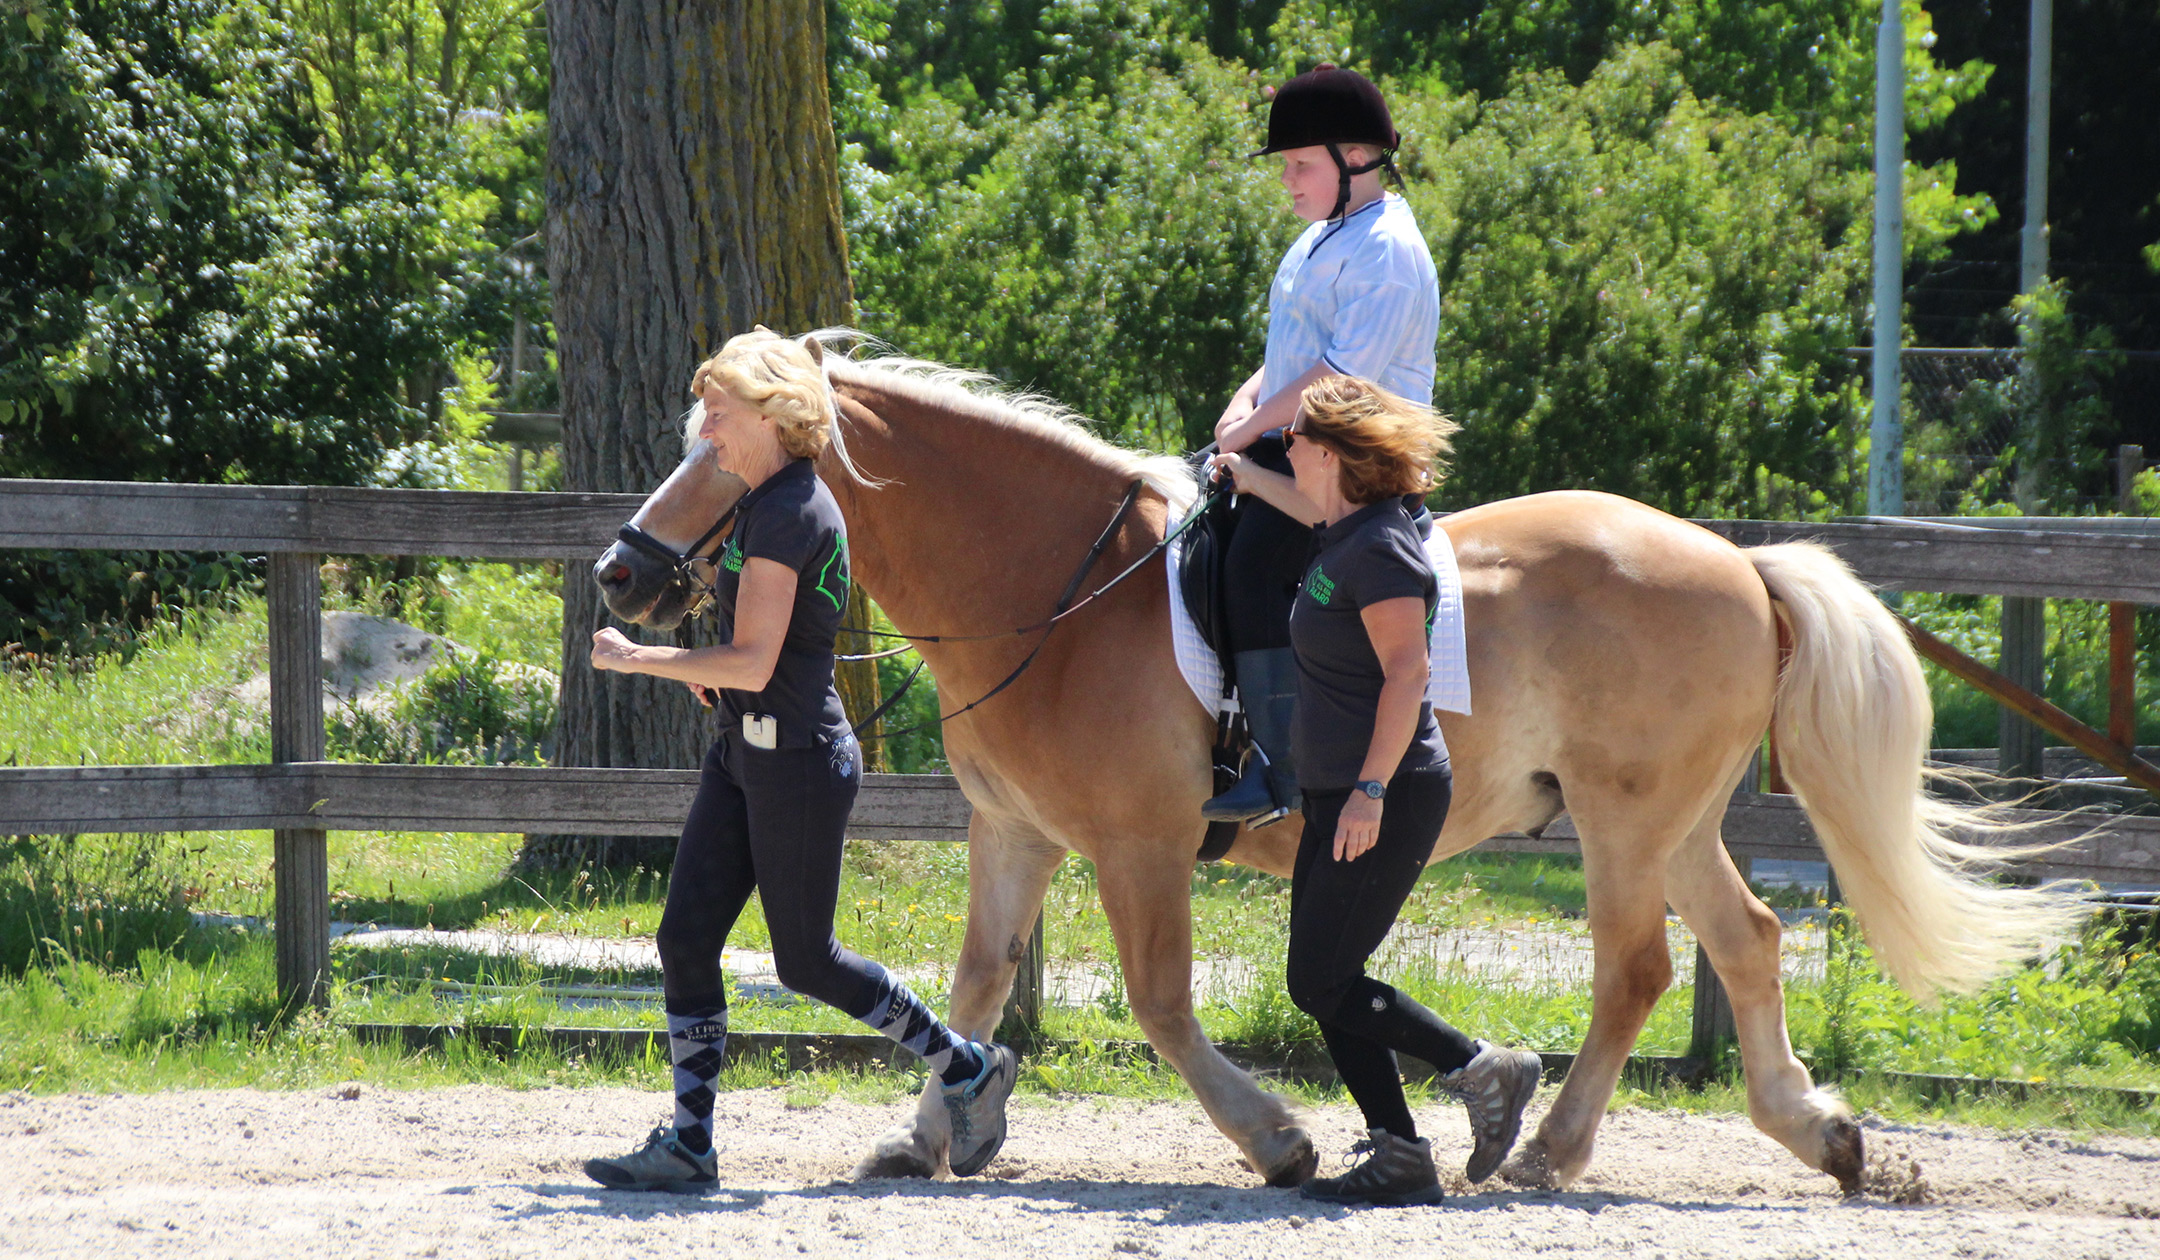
point(979, 395)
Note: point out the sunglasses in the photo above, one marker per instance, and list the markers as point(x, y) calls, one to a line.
point(1291, 434)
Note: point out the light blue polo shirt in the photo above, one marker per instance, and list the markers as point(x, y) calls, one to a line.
point(1360, 294)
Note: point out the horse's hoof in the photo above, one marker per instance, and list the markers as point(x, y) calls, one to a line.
point(1295, 1166)
point(900, 1153)
point(1529, 1168)
point(1844, 1153)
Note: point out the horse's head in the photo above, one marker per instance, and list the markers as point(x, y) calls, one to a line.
point(656, 571)
point(762, 397)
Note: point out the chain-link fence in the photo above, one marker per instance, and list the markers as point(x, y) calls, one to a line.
point(1980, 434)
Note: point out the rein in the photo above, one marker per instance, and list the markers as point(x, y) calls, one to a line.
point(1065, 607)
point(705, 590)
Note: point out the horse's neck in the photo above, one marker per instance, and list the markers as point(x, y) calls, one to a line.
point(979, 526)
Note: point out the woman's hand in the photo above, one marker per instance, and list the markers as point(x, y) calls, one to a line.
point(611, 650)
point(1358, 829)
point(1236, 465)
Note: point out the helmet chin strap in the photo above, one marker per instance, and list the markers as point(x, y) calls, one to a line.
point(1343, 172)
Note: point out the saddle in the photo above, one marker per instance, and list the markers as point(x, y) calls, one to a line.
point(1199, 575)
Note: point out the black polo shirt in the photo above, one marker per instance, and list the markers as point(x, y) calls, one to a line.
point(1373, 554)
point(791, 519)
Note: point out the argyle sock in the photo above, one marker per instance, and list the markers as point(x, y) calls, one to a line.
point(896, 1012)
point(697, 1039)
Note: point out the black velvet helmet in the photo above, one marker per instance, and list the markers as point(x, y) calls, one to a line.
point(1326, 105)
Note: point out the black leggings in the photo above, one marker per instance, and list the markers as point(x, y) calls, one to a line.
point(1339, 914)
point(773, 821)
point(1263, 565)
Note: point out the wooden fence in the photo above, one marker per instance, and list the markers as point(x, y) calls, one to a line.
point(300, 797)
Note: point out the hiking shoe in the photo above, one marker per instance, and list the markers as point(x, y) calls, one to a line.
point(1495, 1086)
point(1396, 1173)
point(977, 1109)
point(663, 1163)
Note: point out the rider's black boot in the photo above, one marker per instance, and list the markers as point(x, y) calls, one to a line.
point(1267, 791)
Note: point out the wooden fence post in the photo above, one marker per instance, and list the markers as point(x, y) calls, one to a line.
point(1713, 1027)
point(2022, 745)
point(2122, 621)
point(1023, 1009)
point(301, 860)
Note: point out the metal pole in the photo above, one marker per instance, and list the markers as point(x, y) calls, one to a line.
point(2039, 72)
point(1886, 436)
point(2024, 617)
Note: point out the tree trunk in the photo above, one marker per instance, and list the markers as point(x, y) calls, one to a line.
point(693, 192)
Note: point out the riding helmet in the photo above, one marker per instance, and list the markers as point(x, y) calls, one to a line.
point(1326, 105)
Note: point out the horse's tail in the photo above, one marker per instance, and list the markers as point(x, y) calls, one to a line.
point(1852, 725)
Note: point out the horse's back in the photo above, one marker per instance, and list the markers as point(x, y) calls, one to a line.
point(1612, 647)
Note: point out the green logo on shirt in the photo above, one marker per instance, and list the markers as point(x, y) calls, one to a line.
point(731, 557)
point(831, 584)
point(1320, 586)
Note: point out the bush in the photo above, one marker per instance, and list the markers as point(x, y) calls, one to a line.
point(471, 710)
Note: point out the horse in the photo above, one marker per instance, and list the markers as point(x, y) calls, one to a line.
point(1625, 666)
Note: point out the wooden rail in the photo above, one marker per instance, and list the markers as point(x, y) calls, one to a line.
point(300, 797)
point(342, 796)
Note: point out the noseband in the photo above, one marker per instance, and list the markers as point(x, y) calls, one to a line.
point(697, 591)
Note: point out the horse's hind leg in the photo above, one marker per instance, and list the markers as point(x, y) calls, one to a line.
point(1147, 895)
point(1623, 871)
point(1009, 871)
point(1741, 934)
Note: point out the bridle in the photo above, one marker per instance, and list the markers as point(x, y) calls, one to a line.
point(698, 592)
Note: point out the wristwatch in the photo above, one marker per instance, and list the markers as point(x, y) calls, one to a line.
point(1373, 788)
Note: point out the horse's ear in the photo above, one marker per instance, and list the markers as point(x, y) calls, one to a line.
point(815, 347)
point(760, 328)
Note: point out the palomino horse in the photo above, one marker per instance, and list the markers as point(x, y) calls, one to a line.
point(1625, 665)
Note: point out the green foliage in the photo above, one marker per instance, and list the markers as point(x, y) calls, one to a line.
point(77, 605)
point(2092, 1010)
point(470, 710)
point(918, 746)
point(242, 248)
point(1808, 63)
point(191, 290)
point(1645, 287)
point(1640, 293)
point(509, 612)
point(2055, 399)
point(1042, 239)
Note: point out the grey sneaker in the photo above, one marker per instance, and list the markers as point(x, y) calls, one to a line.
point(1397, 1173)
point(663, 1163)
point(1495, 1086)
point(977, 1109)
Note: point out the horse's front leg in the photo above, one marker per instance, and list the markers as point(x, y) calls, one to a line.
point(1009, 870)
point(1147, 895)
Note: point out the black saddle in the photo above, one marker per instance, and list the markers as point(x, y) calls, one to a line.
point(1200, 564)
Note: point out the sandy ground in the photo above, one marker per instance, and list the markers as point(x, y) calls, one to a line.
point(478, 1171)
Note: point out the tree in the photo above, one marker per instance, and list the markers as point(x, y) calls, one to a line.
point(693, 192)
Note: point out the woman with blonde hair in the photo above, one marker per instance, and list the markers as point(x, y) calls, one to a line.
point(1373, 770)
point(777, 786)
